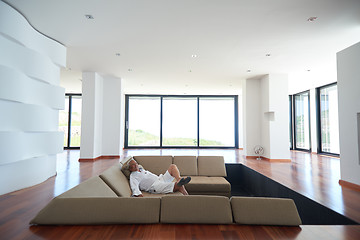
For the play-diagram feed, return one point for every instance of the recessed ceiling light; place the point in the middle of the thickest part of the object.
(89, 16)
(312, 19)
(268, 55)
(194, 56)
(117, 54)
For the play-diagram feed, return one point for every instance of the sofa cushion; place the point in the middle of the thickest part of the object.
(155, 164)
(117, 181)
(196, 209)
(208, 184)
(213, 166)
(186, 164)
(156, 195)
(265, 211)
(93, 187)
(123, 210)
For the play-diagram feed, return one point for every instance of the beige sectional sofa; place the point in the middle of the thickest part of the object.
(106, 199)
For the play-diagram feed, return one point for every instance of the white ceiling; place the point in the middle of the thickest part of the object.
(157, 38)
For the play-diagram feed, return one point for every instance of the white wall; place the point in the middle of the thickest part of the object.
(266, 116)
(101, 112)
(30, 97)
(349, 106)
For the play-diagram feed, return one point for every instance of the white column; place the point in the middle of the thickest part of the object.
(266, 116)
(91, 116)
(112, 103)
(251, 115)
(101, 116)
(30, 98)
(278, 117)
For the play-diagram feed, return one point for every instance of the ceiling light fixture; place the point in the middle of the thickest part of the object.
(268, 55)
(312, 19)
(194, 56)
(129, 70)
(248, 70)
(117, 54)
(89, 16)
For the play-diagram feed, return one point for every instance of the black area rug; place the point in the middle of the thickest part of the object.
(247, 182)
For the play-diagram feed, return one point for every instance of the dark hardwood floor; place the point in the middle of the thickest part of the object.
(309, 174)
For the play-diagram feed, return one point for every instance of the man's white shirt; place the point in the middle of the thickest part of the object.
(142, 180)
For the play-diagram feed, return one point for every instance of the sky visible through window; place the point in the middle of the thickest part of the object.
(216, 121)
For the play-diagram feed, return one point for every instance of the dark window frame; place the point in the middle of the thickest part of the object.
(294, 125)
(291, 122)
(318, 121)
(70, 95)
(236, 127)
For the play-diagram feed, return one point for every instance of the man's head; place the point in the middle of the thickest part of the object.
(133, 166)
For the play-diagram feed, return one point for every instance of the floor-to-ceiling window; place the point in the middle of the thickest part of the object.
(181, 121)
(143, 121)
(70, 120)
(291, 144)
(328, 120)
(216, 117)
(302, 121)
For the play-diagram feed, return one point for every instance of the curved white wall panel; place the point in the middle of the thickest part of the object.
(30, 97)
(31, 63)
(16, 86)
(15, 26)
(27, 118)
(17, 146)
(26, 173)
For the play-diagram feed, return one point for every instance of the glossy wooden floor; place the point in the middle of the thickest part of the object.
(314, 176)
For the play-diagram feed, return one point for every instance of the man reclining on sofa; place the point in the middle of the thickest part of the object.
(141, 179)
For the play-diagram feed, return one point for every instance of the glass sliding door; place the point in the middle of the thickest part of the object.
(64, 121)
(302, 121)
(179, 123)
(70, 120)
(329, 120)
(143, 123)
(75, 133)
(216, 122)
(290, 124)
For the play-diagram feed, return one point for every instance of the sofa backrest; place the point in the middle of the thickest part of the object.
(155, 164)
(117, 181)
(212, 166)
(187, 165)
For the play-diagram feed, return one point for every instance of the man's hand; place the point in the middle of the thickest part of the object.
(138, 195)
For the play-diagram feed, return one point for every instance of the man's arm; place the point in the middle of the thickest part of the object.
(134, 185)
